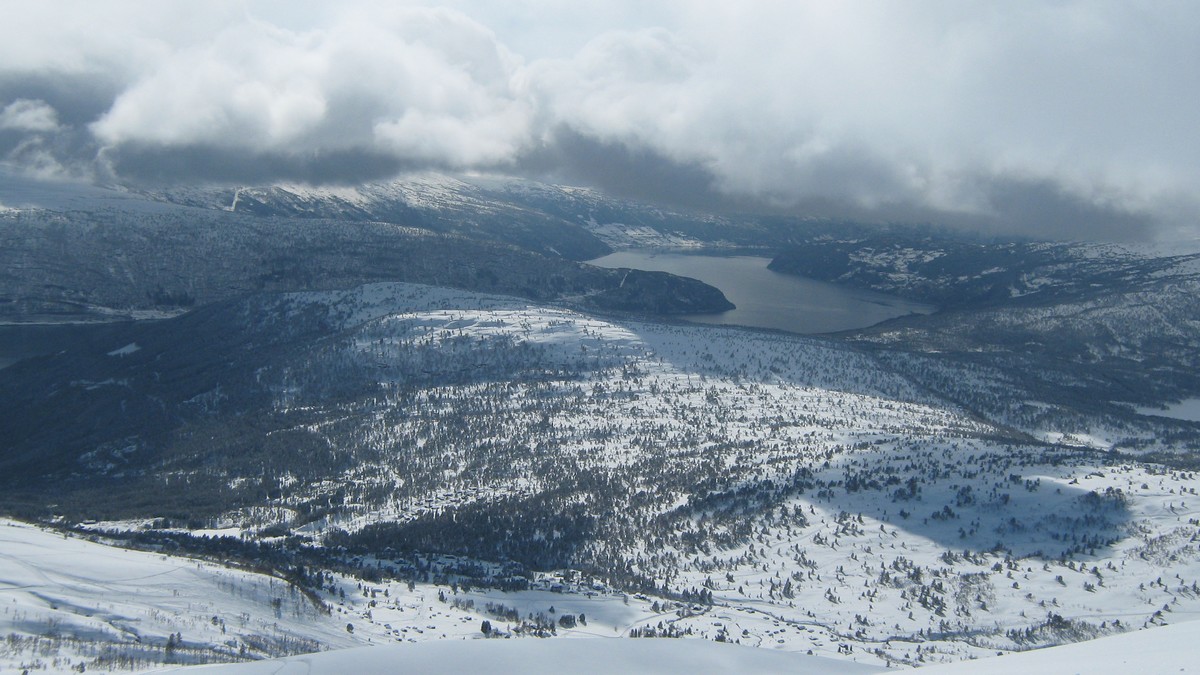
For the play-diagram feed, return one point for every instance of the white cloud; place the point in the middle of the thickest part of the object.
(634, 87)
(871, 104)
(880, 103)
(427, 84)
(36, 158)
(252, 85)
(26, 115)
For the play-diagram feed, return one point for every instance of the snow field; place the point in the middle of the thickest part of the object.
(67, 600)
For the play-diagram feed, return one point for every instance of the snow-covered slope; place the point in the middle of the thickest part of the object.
(547, 657)
(1165, 649)
(68, 601)
(773, 490)
(71, 605)
(426, 200)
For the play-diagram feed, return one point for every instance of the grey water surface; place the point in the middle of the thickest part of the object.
(767, 299)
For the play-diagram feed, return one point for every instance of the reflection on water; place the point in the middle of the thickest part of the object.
(767, 299)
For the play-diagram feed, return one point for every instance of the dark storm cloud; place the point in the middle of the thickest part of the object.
(1025, 206)
(77, 99)
(633, 172)
(1070, 117)
(155, 164)
(64, 147)
(1043, 208)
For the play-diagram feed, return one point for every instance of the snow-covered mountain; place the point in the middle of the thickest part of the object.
(577, 223)
(75, 266)
(754, 487)
(505, 441)
(431, 201)
(1116, 324)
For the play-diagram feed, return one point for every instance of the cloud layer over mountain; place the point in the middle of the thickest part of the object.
(1071, 118)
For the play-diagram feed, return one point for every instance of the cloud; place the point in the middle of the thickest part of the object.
(32, 137)
(158, 164)
(633, 171)
(424, 84)
(1042, 207)
(26, 115)
(884, 110)
(1070, 116)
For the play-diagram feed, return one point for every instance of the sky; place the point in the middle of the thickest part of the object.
(1051, 117)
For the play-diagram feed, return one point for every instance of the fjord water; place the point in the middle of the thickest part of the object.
(767, 299)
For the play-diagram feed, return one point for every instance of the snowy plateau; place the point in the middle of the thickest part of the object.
(320, 464)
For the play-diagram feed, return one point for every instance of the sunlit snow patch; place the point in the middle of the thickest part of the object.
(1188, 410)
(591, 656)
(126, 350)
